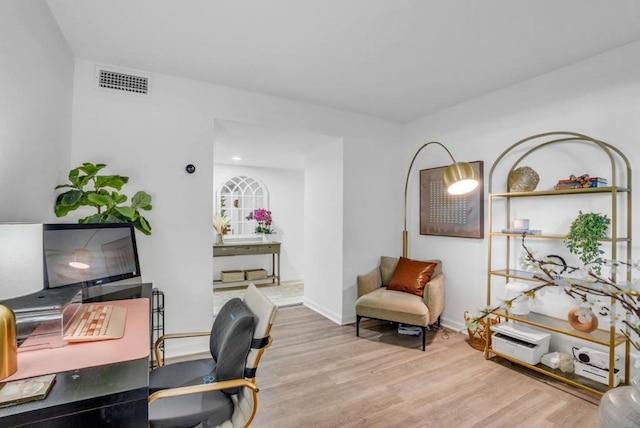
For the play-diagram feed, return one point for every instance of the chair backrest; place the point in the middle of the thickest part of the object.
(246, 402)
(265, 312)
(231, 338)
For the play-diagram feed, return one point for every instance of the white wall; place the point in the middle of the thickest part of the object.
(36, 78)
(286, 202)
(152, 139)
(323, 230)
(598, 97)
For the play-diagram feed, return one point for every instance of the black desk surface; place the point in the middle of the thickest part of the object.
(111, 395)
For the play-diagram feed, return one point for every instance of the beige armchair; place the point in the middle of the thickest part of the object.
(375, 301)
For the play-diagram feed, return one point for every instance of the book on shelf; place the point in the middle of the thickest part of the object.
(522, 231)
(573, 184)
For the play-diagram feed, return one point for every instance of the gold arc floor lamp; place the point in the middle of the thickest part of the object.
(459, 178)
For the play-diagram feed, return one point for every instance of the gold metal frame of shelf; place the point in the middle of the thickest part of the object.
(607, 189)
(536, 142)
(551, 373)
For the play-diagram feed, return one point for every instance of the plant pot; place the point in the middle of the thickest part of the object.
(478, 337)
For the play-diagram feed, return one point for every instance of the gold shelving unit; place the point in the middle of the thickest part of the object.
(506, 270)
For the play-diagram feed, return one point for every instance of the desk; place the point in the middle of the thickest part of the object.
(251, 249)
(110, 390)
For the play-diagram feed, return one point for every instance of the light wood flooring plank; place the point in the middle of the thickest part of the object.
(319, 374)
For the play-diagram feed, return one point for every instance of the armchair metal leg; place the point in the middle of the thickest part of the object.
(424, 338)
(358, 325)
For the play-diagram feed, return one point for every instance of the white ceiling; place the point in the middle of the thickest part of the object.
(392, 59)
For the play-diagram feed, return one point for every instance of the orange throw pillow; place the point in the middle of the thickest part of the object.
(411, 276)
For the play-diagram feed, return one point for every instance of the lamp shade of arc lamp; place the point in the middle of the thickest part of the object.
(458, 178)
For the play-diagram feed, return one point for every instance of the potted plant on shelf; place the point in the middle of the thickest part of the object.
(104, 196)
(584, 237)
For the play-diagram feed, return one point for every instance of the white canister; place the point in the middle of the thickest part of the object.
(521, 223)
(517, 290)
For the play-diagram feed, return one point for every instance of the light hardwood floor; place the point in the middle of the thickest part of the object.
(319, 374)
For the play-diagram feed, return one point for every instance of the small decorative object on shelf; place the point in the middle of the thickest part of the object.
(580, 182)
(264, 219)
(523, 179)
(582, 319)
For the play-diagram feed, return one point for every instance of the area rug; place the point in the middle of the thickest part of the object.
(285, 294)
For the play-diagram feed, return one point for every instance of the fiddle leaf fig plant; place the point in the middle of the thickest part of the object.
(583, 238)
(103, 195)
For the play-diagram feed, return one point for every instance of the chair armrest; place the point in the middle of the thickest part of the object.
(161, 339)
(369, 282)
(434, 297)
(197, 389)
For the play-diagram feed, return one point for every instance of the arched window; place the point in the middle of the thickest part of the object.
(237, 197)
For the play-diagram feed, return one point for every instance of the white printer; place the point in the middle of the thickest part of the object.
(520, 341)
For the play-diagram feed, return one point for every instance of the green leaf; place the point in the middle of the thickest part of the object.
(113, 181)
(127, 212)
(102, 218)
(118, 198)
(91, 169)
(73, 177)
(70, 198)
(142, 225)
(62, 186)
(100, 200)
(141, 200)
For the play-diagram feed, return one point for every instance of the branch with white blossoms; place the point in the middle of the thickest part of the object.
(586, 286)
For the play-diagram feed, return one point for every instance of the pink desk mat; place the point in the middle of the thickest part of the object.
(72, 356)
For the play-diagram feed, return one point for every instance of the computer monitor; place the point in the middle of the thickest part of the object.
(89, 254)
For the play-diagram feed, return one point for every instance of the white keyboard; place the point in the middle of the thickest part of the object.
(97, 322)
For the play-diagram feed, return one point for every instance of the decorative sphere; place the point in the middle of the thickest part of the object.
(523, 179)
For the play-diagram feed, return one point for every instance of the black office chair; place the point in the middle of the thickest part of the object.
(221, 390)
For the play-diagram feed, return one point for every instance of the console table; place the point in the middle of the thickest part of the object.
(251, 249)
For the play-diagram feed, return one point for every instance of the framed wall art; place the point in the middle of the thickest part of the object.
(450, 215)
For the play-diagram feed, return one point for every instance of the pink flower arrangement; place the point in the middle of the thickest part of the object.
(264, 219)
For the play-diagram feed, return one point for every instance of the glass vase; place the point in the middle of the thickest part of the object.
(620, 407)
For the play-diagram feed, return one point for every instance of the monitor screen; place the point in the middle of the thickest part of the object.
(89, 254)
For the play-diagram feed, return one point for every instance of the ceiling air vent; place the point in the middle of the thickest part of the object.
(108, 79)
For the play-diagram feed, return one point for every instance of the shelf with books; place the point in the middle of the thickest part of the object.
(613, 198)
